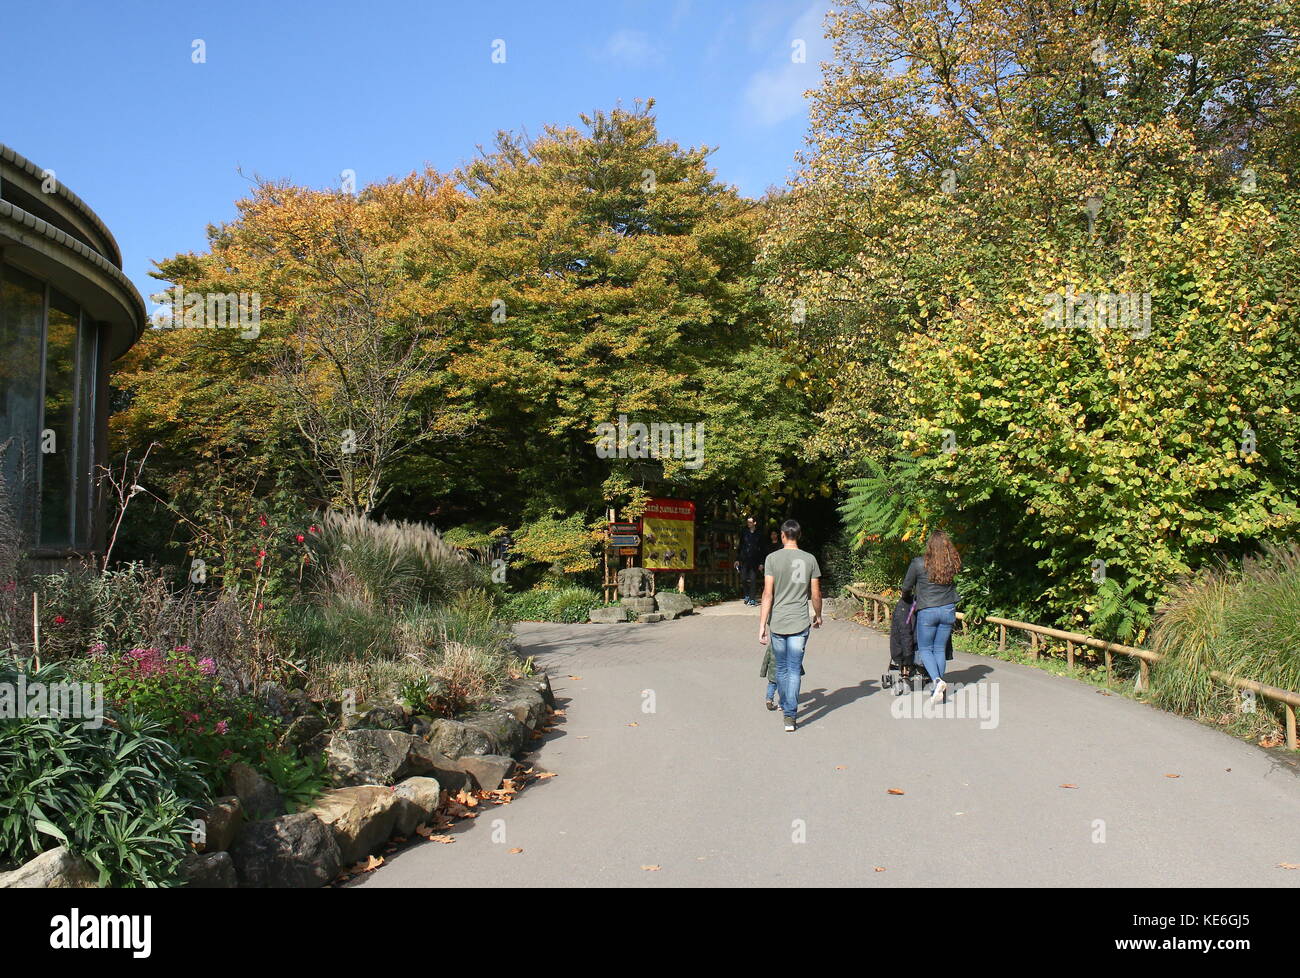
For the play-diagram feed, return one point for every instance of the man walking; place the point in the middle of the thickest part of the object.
(751, 556)
(791, 577)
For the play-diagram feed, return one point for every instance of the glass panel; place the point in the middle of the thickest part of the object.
(87, 379)
(59, 433)
(22, 301)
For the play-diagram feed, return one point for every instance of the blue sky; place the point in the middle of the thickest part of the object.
(108, 96)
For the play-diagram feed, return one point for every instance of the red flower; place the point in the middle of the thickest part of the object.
(300, 538)
(59, 619)
(312, 528)
(262, 520)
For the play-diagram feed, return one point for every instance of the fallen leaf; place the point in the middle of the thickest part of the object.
(368, 865)
(558, 713)
(632, 724)
(651, 869)
(446, 840)
(1289, 865)
(839, 767)
(1173, 775)
(896, 791)
(1069, 786)
(575, 677)
(547, 774)
(515, 850)
(880, 869)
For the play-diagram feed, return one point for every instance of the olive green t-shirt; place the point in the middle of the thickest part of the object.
(792, 571)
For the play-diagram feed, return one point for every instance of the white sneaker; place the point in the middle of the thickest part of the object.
(937, 695)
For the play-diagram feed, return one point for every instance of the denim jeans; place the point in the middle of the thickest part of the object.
(788, 650)
(933, 628)
(771, 689)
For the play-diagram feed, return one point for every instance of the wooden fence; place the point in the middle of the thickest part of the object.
(880, 608)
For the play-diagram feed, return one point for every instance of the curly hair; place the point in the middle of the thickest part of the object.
(942, 562)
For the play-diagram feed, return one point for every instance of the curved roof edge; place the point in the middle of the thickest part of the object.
(23, 163)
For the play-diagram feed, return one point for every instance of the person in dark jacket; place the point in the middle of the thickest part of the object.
(902, 640)
(751, 556)
(929, 583)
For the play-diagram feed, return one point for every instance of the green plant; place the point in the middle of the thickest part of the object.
(117, 794)
(300, 779)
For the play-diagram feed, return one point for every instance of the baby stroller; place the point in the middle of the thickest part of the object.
(911, 675)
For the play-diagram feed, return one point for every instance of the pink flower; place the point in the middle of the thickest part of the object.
(222, 727)
(182, 648)
(191, 717)
(226, 753)
(98, 648)
(207, 666)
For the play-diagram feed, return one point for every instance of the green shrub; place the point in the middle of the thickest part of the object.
(567, 604)
(118, 794)
(183, 695)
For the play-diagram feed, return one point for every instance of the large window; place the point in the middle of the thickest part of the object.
(47, 411)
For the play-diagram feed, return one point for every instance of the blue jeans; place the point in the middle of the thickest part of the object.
(771, 688)
(788, 650)
(933, 629)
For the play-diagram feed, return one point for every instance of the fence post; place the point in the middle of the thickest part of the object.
(1108, 667)
(1002, 638)
(1069, 653)
(1290, 726)
(1033, 644)
(1144, 675)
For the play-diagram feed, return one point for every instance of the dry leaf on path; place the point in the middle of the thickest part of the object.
(1069, 786)
(575, 677)
(515, 850)
(651, 869)
(896, 791)
(1289, 865)
(880, 869)
(1173, 775)
(368, 865)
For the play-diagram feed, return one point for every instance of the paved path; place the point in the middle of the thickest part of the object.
(709, 788)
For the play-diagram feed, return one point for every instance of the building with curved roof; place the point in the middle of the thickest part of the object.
(66, 312)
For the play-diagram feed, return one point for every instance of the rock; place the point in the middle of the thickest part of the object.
(386, 718)
(209, 871)
(422, 726)
(221, 823)
(305, 729)
(651, 617)
(292, 851)
(452, 738)
(361, 818)
(542, 683)
(505, 732)
(489, 770)
(415, 801)
(608, 615)
(54, 869)
(278, 700)
(258, 796)
(842, 608)
(642, 606)
(361, 757)
(673, 605)
(528, 709)
(450, 772)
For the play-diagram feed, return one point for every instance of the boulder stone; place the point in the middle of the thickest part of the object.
(609, 615)
(528, 709)
(361, 757)
(450, 772)
(361, 818)
(257, 795)
(842, 608)
(54, 869)
(505, 732)
(452, 738)
(221, 823)
(415, 801)
(305, 729)
(642, 606)
(672, 604)
(386, 718)
(489, 770)
(209, 871)
(651, 617)
(293, 851)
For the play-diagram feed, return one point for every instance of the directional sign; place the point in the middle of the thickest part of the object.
(625, 540)
(624, 528)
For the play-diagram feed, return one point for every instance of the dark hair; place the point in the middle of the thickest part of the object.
(791, 529)
(942, 562)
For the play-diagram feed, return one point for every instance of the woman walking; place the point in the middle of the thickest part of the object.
(930, 582)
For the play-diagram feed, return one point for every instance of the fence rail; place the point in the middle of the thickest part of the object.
(880, 609)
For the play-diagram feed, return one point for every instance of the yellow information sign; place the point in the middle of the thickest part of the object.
(668, 535)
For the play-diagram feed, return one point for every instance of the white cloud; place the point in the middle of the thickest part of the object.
(631, 48)
(775, 94)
